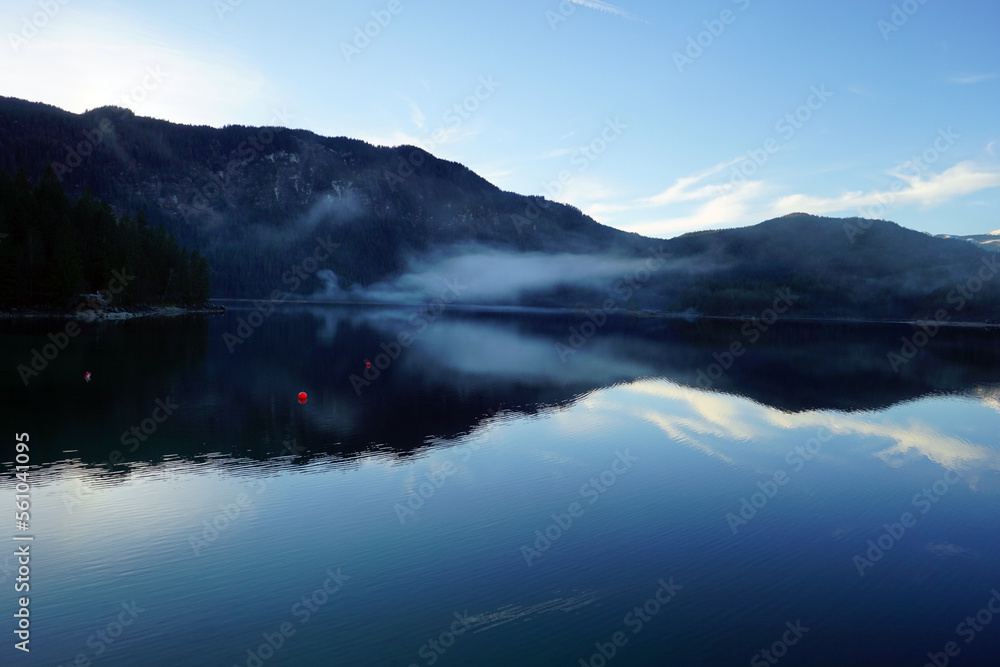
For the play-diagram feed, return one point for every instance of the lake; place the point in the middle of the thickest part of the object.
(505, 488)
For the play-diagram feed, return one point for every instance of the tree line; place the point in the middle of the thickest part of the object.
(53, 249)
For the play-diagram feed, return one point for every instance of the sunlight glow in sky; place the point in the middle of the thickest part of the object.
(659, 118)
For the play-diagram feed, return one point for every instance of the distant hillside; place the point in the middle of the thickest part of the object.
(990, 241)
(258, 202)
(840, 267)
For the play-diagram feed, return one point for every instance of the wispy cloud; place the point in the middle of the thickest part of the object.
(609, 8)
(935, 189)
(973, 78)
(416, 115)
(727, 204)
(719, 201)
(733, 207)
(684, 189)
(558, 152)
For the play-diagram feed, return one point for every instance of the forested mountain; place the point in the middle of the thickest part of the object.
(259, 202)
(842, 268)
(254, 199)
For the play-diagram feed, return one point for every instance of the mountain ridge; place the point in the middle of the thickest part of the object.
(255, 202)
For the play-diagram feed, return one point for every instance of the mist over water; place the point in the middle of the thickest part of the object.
(477, 274)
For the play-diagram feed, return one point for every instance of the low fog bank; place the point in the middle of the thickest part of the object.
(475, 274)
(326, 213)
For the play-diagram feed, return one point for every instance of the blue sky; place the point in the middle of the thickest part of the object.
(653, 117)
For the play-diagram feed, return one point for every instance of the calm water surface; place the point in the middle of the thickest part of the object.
(486, 500)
